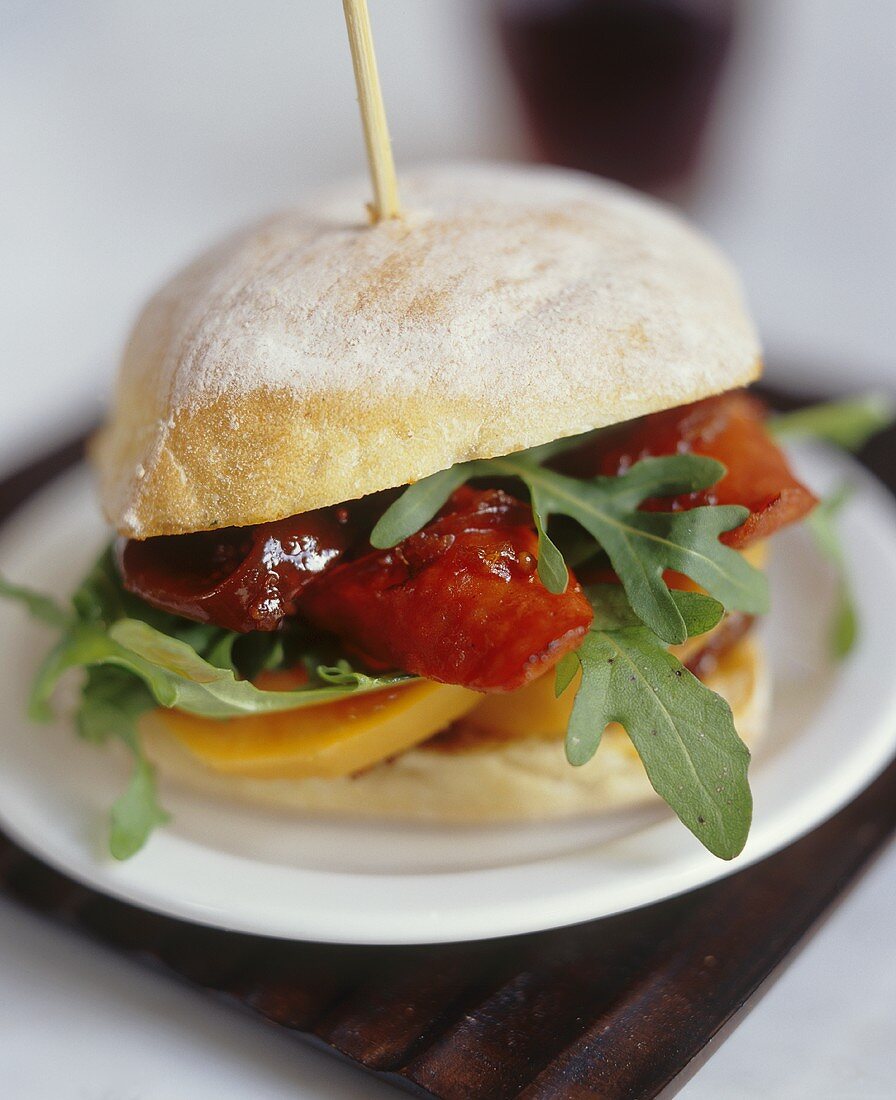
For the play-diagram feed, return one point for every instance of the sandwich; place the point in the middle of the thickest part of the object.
(460, 517)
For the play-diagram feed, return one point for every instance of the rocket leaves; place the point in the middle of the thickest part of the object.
(848, 423)
(136, 812)
(43, 608)
(640, 545)
(418, 504)
(844, 626)
(137, 658)
(683, 731)
(177, 676)
(112, 703)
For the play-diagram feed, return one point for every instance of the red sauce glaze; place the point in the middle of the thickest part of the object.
(241, 578)
(729, 428)
(459, 602)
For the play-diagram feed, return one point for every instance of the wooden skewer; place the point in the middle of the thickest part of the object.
(373, 115)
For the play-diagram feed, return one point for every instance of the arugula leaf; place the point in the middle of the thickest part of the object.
(133, 666)
(158, 658)
(221, 654)
(249, 654)
(137, 656)
(136, 813)
(343, 675)
(551, 565)
(564, 673)
(111, 704)
(640, 545)
(177, 676)
(683, 732)
(823, 527)
(417, 505)
(849, 423)
(101, 598)
(420, 502)
(613, 611)
(39, 606)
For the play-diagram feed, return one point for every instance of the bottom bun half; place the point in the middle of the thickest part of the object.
(516, 780)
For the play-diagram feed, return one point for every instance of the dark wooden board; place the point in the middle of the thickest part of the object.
(624, 1007)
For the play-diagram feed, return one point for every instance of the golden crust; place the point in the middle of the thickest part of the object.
(312, 360)
(502, 781)
(244, 460)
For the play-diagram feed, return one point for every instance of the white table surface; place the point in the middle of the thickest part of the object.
(134, 133)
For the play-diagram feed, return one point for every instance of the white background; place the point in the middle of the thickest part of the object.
(133, 133)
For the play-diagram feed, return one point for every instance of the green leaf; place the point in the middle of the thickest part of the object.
(612, 610)
(138, 657)
(565, 672)
(683, 732)
(551, 566)
(849, 423)
(221, 653)
(51, 668)
(343, 675)
(136, 813)
(545, 451)
(101, 598)
(249, 654)
(163, 659)
(133, 667)
(111, 702)
(823, 526)
(642, 545)
(178, 677)
(668, 476)
(417, 505)
(38, 605)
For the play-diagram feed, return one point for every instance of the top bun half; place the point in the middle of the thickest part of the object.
(313, 359)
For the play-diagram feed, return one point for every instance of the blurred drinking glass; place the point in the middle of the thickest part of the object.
(622, 88)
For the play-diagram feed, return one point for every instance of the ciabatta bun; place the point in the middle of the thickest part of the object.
(512, 781)
(314, 359)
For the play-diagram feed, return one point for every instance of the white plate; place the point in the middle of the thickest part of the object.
(834, 728)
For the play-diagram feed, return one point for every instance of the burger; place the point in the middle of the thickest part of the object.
(460, 517)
